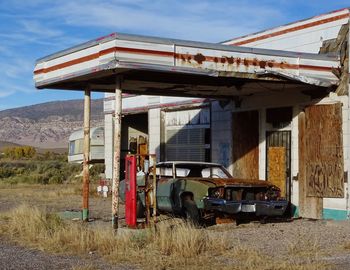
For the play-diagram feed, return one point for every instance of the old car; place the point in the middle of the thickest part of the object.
(197, 190)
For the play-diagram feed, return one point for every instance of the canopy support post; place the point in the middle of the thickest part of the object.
(117, 146)
(86, 156)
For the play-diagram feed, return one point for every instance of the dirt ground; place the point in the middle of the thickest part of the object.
(325, 241)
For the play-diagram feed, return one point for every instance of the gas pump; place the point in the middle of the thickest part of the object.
(133, 187)
(130, 191)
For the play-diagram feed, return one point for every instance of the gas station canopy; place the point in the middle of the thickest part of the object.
(168, 67)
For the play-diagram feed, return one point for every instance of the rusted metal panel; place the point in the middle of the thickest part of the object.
(309, 207)
(103, 58)
(324, 153)
(340, 46)
(277, 168)
(251, 63)
(245, 144)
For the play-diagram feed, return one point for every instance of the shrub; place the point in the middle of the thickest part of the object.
(20, 152)
(38, 172)
(6, 172)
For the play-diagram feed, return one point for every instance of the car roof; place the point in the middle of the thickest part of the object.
(189, 163)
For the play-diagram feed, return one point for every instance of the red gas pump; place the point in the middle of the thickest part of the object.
(130, 191)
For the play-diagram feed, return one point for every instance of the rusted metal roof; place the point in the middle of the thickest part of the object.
(161, 66)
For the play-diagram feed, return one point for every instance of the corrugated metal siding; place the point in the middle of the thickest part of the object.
(186, 134)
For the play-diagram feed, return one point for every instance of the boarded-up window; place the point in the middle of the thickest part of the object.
(324, 151)
(245, 144)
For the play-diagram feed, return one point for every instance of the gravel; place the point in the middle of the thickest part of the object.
(15, 257)
(324, 240)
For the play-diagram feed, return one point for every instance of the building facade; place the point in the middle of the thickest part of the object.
(295, 138)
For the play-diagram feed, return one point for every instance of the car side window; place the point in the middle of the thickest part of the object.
(164, 171)
(182, 172)
(213, 172)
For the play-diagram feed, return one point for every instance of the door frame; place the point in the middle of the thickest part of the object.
(288, 159)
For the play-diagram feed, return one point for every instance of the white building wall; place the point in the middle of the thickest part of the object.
(221, 134)
(154, 132)
(109, 146)
(302, 36)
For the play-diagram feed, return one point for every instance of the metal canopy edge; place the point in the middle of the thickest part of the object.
(97, 61)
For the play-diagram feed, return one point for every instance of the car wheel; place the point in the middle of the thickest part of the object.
(191, 212)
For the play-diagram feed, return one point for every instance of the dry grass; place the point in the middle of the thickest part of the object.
(172, 244)
(306, 246)
(346, 246)
(84, 267)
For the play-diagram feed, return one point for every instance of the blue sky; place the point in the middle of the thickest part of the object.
(35, 28)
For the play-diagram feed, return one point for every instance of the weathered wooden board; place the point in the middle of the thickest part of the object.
(245, 131)
(277, 168)
(309, 207)
(324, 151)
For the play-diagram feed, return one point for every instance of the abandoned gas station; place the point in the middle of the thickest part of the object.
(273, 105)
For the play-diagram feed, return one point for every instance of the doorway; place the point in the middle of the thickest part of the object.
(278, 148)
(278, 160)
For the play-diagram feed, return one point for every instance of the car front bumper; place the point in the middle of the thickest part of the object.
(258, 208)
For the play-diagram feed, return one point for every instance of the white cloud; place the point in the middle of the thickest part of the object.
(6, 93)
(199, 20)
(33, 27)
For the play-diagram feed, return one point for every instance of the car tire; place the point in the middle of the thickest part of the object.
(191, 212)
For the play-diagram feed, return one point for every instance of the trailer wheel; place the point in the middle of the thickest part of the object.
(191, 212)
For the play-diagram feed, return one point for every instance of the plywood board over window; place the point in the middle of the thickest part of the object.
(324, 159)
(277, 168)
(245, 145)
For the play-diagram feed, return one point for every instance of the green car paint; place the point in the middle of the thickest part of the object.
(172, 190)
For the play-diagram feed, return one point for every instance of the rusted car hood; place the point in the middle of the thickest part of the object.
(233, 182)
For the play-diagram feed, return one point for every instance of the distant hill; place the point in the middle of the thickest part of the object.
(7, 144)
(47, 125)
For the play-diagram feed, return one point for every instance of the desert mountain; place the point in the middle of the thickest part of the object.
(47, 125)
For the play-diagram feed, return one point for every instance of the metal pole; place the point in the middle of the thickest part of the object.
(116, 163)
(154, 190)
(86, 175)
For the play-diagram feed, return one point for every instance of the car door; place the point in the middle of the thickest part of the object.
(165, 185)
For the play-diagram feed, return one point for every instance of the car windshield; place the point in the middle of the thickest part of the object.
(193, 170)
